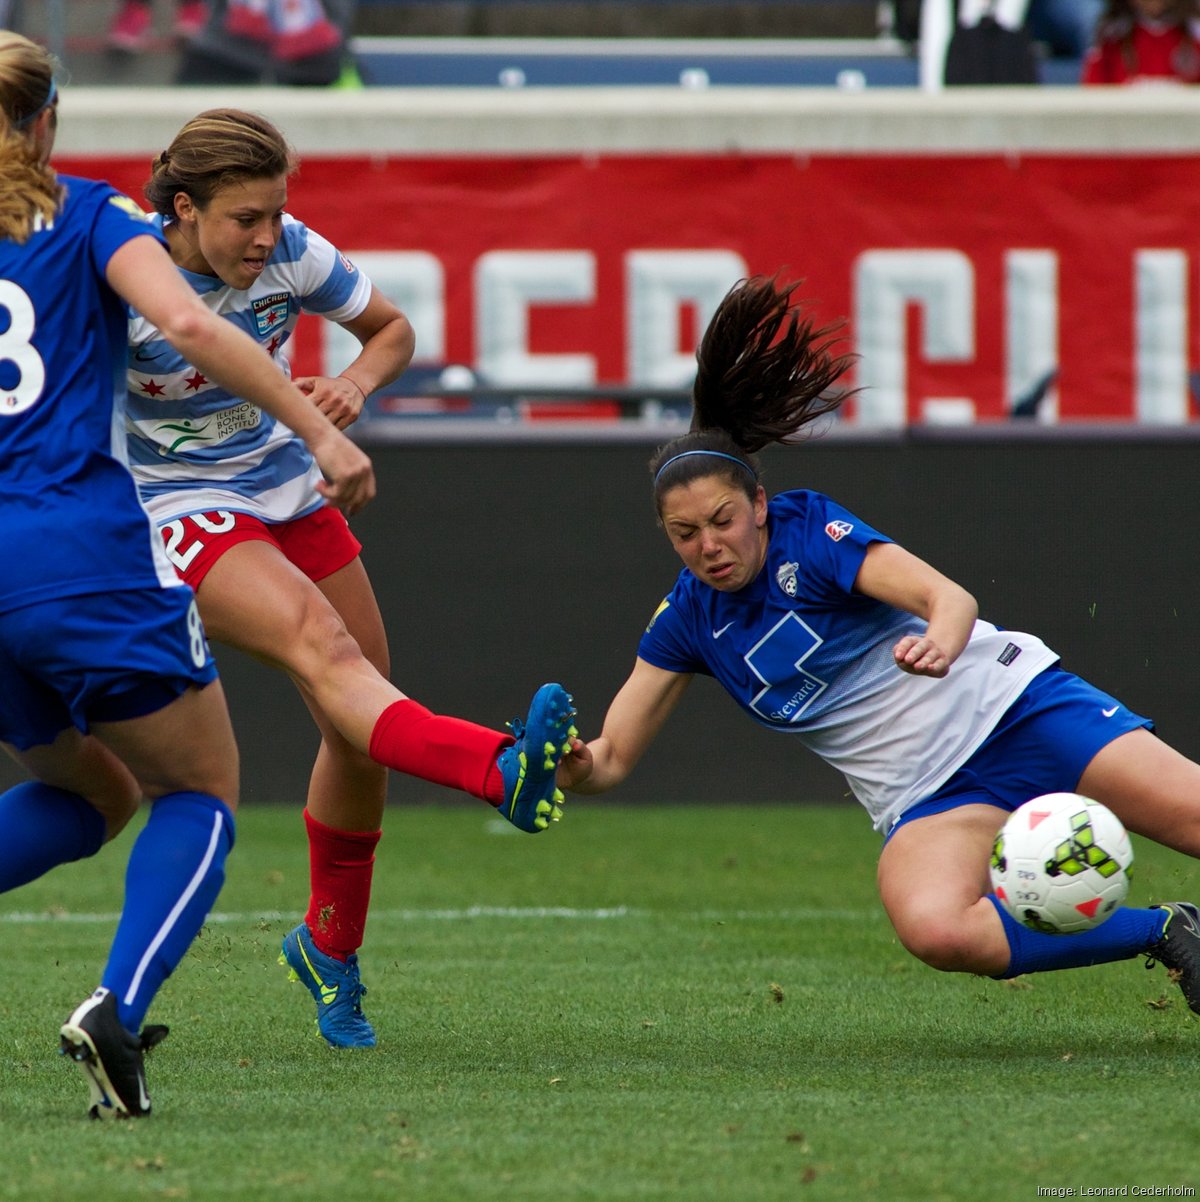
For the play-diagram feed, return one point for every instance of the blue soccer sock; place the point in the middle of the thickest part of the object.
(43, 827)
(176, 869)
(1126, 933)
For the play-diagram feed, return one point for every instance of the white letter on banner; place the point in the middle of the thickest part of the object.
(506, 284)
(415, 282)
(885, 283)
(1161, 332)
(1031, 324)
(657, 284)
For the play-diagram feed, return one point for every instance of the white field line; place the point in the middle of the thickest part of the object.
(470, 913)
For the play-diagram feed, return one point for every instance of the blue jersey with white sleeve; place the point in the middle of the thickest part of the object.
(70, 519)
(193, 446)
(801, 652)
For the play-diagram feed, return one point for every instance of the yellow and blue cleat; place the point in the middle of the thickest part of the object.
(531, 799)
(335, 986)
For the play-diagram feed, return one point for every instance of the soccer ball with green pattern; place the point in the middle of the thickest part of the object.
(1061, 863)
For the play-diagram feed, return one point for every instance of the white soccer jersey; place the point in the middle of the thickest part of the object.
(194, 447)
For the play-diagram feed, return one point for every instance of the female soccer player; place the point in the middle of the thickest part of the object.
(276, 571)
(820, 626)
(107, 689)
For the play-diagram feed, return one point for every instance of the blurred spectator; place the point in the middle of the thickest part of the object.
(1064, 27)
(990, 44)
(1146, 42)
(133, 24)
(270, 41)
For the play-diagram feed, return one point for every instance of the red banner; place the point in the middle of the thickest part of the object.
(968, 283)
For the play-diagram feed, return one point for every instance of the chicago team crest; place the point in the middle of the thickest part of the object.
(269, 312)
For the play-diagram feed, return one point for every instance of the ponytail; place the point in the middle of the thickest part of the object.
(763, 373)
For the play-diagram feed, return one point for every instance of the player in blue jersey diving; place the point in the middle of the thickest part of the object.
(276, 570)
(820, 626)
(108, 694)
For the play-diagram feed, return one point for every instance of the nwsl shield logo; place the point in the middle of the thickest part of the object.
(838, 530)
(785, 577)
(270, 312)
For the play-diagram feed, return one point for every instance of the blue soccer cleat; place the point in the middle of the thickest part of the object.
(531, 800)
(335, 986)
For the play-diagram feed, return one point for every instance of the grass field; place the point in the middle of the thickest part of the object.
(703, 1005)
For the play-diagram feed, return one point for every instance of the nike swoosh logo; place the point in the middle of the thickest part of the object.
(1109, 713)
(140, 358)
(328, 995)
(717, 633)
(143, 1097)
(512, 809)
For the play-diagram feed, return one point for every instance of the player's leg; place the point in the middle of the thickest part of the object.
(81, 797)
(933, 879)
(185, 756)
(1155, 791)
(82, 794)
(146, 685)
(303, 634)
(1151, 787)
(343, 816)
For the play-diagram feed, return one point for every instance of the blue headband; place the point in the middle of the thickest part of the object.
(51, 97)
(715, 454)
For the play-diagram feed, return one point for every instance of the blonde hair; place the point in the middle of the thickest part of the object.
(215, 148)
(31, 188)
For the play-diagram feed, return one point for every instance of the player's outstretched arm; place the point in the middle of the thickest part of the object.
(142, 274)
(637, 713)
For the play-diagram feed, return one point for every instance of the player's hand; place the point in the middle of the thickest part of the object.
(576, 766)
(349, 477)
(338, 397)
(919, 655)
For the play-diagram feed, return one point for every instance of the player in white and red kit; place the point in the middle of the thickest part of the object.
(277, 572)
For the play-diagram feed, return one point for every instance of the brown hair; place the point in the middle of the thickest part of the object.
(26, 86)
(764, 371)
(215, 148)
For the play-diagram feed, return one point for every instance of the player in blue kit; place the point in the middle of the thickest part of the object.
(108, 694)
(821, 627)
(277, 572)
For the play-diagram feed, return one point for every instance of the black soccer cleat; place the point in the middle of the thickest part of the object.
(1178, 951)
(110, 1057)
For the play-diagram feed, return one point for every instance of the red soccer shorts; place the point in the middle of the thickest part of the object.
(319, 544)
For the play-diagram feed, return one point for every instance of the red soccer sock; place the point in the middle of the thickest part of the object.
(447, 751)
(341, 864)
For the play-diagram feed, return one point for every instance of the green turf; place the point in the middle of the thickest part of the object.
(694, 1004)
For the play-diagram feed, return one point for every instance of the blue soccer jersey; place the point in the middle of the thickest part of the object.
(195, 447)
(801, 652)
(70, 520)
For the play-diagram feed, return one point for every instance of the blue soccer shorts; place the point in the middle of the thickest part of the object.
(1042, 744)
(97, 658)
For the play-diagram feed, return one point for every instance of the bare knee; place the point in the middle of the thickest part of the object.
(82, 765)
(944, 942)
(322, 644)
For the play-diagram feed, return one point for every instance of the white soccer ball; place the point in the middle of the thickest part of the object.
(1061, 863)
